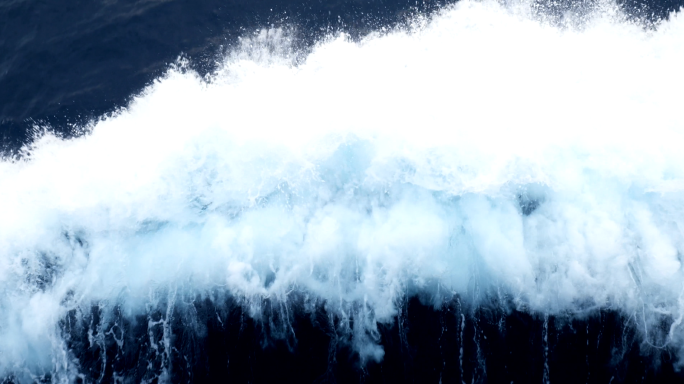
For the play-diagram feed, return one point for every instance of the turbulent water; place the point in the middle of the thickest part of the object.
(483, 179)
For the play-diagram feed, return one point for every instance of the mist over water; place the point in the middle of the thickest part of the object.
(489, 152)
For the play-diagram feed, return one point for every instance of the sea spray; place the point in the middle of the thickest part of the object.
(478, 151)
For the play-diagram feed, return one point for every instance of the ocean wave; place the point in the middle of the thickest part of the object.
(483, 152)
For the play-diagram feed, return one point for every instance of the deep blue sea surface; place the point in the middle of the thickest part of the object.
(343, 191)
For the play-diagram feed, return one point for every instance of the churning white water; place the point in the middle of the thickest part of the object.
(482, 150)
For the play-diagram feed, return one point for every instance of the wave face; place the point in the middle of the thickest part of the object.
(482, 172)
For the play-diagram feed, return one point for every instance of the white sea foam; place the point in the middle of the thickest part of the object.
(483, 149)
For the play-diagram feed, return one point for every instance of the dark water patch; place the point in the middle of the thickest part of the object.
(205, 340)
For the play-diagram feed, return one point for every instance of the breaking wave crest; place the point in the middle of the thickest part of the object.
(483, 153)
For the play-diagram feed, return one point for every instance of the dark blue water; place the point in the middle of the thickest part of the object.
(454, 343)
(64, 63)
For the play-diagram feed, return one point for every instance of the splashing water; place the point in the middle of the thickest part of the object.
(480, 149)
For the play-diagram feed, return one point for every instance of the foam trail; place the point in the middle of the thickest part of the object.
(481, 150)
